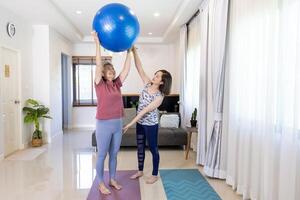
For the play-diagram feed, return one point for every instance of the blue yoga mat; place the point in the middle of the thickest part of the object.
(186, 184)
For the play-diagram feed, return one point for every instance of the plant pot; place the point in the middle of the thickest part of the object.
(193, 123)
(36, 142)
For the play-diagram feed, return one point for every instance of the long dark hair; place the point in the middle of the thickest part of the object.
(166, 78)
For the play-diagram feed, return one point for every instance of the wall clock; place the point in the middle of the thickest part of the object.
(11, 29)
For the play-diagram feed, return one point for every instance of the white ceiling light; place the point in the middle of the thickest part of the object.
(149, 33)
(156, 14)
(78, 12)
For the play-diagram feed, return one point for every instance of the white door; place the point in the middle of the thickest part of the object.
(10, 104)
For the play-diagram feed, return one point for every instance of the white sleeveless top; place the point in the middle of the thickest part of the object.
(150, 118)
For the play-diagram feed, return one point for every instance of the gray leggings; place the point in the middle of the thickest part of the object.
(109, 136)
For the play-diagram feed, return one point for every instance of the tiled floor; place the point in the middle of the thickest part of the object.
(66, 170)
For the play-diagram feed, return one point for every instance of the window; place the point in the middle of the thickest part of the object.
(83, 80)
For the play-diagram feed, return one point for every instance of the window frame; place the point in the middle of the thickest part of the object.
(88, 61)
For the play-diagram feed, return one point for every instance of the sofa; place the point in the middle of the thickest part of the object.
(167, 136)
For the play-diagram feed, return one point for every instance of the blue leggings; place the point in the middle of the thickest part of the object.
(150, 133)
(109, 136)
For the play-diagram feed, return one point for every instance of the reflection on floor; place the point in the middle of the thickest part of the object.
(67, 169)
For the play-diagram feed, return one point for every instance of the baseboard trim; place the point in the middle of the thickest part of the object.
(68, 126)
(25, 146)
(84, 127)
(28, 144)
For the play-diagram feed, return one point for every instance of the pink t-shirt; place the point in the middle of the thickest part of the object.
(110, 102)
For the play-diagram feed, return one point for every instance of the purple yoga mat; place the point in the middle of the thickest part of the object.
(130, 188)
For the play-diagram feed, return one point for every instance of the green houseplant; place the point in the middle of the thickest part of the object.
(194, 118)
(33, 113)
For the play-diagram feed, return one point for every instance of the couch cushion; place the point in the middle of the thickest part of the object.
(169, 120)
(166, 137)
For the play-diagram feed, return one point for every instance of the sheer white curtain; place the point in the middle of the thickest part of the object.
(193, 73)
(215, 162)
(264, 99)
(205, 103)
(191, 86)
(183, 78)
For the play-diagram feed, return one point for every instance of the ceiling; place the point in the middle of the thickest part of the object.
(62, 15)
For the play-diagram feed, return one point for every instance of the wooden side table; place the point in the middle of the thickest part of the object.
(189, 130)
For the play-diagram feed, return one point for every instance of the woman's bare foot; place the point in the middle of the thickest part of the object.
(152, 179)
(137, 175)
(115, 184)
(103, 189)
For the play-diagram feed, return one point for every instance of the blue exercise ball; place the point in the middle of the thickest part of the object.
(117, 27)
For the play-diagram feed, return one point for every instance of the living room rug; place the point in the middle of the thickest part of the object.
(186, 184)
(130, 190)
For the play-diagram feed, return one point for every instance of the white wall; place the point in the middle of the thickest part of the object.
(58, 45)
(40, 50)
(153, 57)
(22, 42)
(47, 49)
(84, 117)
(41, 86)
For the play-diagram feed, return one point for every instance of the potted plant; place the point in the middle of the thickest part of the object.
(194, 118)
(33, 113)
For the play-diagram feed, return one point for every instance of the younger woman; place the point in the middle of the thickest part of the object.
(147, 116)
